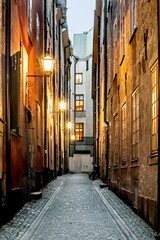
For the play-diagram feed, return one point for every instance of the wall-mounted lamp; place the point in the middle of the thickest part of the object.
(62, 105)
(72, 137)
(47, 68)
(48, 65)
(69, 125)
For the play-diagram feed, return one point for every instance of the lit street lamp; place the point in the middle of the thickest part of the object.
(69, 125)
(73, 137)
(62, 105)
(48, 64)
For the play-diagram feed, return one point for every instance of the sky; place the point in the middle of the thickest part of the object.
(80, 16)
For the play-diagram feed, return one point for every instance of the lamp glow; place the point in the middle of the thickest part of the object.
(69, 125)
(62, 105)
(72, 137)
(48, 64)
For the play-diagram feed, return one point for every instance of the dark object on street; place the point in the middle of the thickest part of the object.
(95, 173)
(103, 185)
(157, 237)
(36, 195)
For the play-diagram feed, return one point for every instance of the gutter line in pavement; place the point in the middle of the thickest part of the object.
(36, 224)
(115, 217)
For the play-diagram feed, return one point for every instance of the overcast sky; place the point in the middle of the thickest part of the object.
(80, 16)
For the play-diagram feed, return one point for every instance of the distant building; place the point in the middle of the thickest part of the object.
(81, 104)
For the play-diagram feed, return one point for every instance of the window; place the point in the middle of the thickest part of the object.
(30, 18)
(79, 131)
(133, 17)
(115, 49)
(124, 132)
(38, 124)
(135, 123)
(109, 66)
(122, 27)
(16, 90)
(38, 34)
(79, 78)
(154, 110)
(116, 140)
(87, 65)
(79, 102)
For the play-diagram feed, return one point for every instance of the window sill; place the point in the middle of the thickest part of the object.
(135, 30)
(14, 133)
(134, 163)
(134, 160)
(153, 159)
(123, 162)
(122, 60)
(116, 167)
(115, 77)
(79, 83)
(1, 121)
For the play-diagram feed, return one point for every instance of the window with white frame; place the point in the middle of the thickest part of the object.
(116, 140)
(124, 133)
(109, 65)
(115, 31)
(79, 131)
(132, 17)
(30, 18)
(154, 107)
(122, 27)
(135, 123)
(79, 79)
(38, 124)
(38, 34)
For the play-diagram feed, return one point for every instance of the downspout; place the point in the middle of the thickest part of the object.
(45, 100)
(98, 86)
(105, 85)
(60, 160)
(54, 107)
(94, 118)
(8, 129)
(158, 181)
(75, 64)
(66, 113)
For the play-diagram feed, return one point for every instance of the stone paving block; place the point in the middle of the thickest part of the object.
(76, 212)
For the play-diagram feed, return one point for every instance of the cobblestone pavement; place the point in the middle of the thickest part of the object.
(75, 208)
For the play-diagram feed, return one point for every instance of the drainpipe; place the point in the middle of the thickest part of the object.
(94, 119)
(54, 108)
(98, 86)
(158, 196)
(66, 113)
(105, 84)
(75, 64)
(8, 129)
(60, 157)
(45, 99)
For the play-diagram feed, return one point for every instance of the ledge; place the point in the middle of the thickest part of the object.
(135, 30)
(122, 60)
(134, 160)
(81, 114)
(115, 77)
(116, 166)
(153, 159)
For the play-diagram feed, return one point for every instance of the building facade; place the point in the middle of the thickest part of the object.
(81, 104)
(31, 121)
(125, 93)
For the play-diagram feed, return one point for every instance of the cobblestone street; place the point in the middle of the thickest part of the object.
(74, 208)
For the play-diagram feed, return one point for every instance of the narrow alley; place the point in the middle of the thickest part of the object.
(74, 207)
(79, 97)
